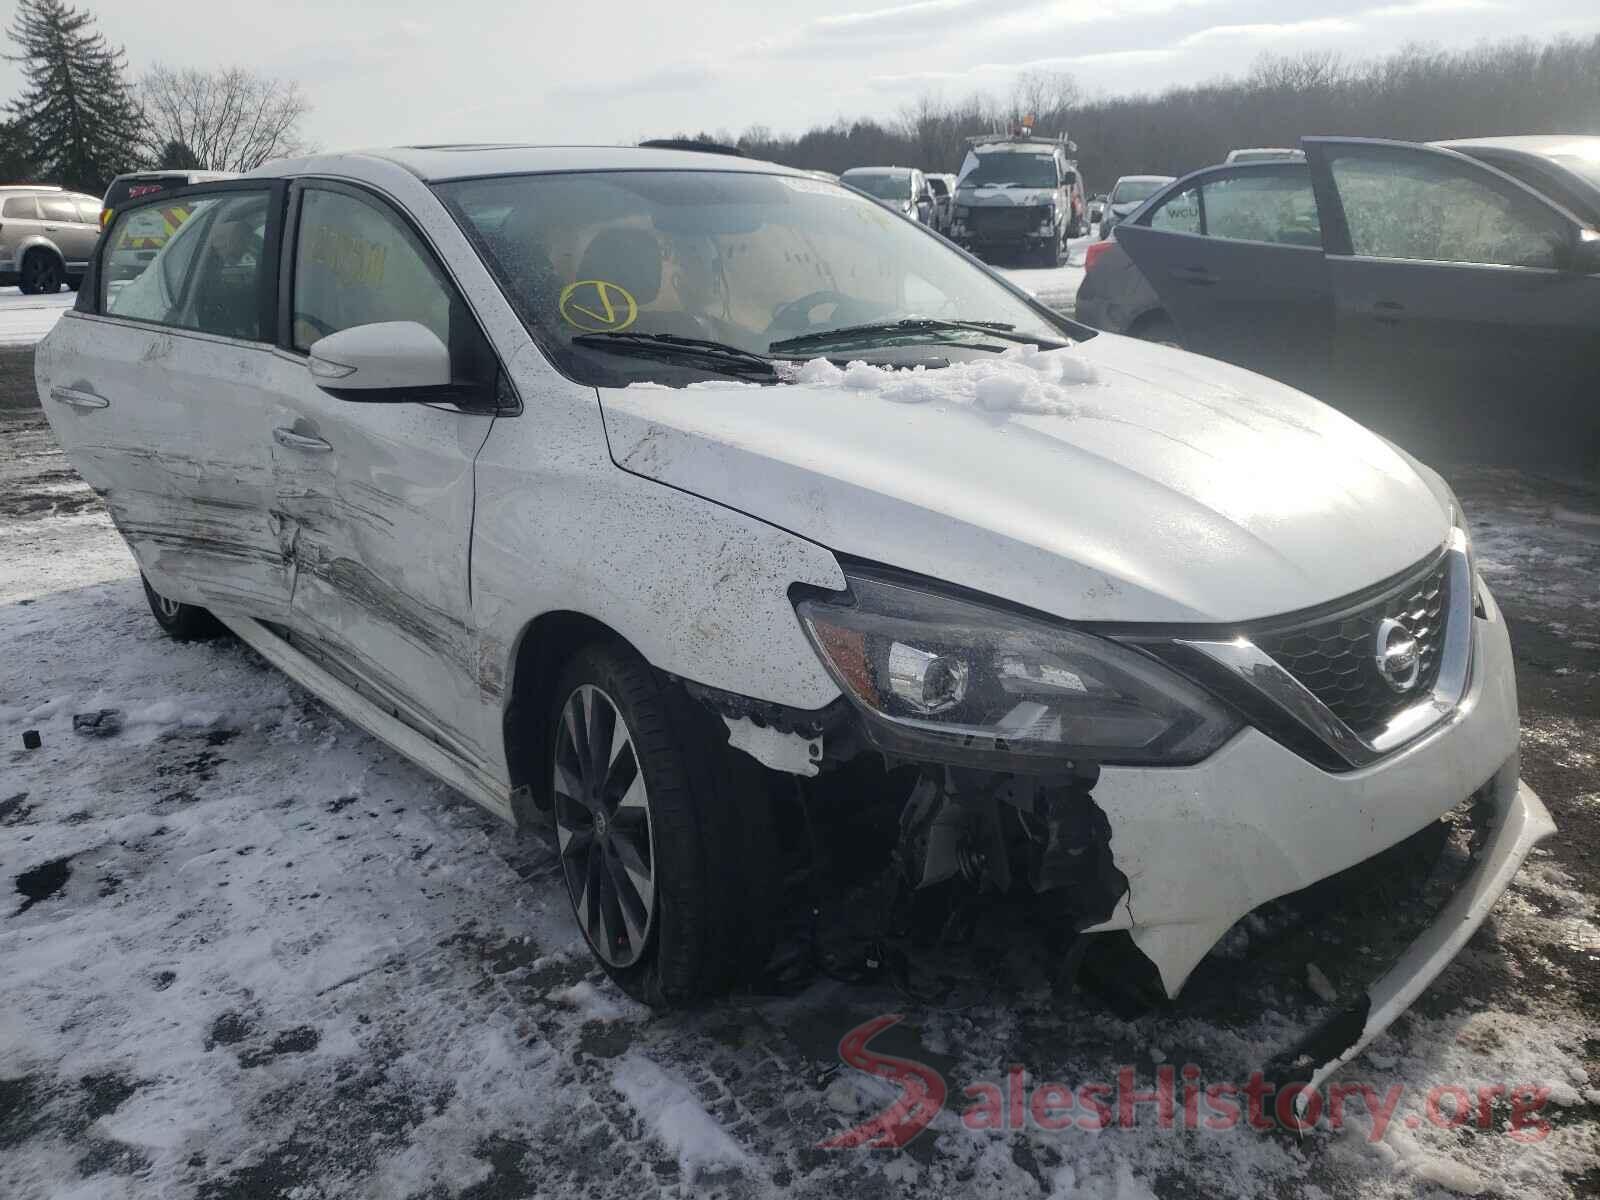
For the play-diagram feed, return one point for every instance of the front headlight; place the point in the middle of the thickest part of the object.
(963, 682)
(1458, 518)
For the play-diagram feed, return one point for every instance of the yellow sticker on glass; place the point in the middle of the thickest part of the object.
(598, 306)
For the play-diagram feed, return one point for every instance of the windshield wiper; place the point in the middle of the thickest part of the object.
(716, 355)
(852, 333)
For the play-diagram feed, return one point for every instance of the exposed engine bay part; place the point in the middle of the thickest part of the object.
(774, 748)
(994, 830)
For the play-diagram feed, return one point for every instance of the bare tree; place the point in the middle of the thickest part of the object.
(232, 120)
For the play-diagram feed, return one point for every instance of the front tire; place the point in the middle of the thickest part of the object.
(40, 275)
(182, 622)
(663, 831)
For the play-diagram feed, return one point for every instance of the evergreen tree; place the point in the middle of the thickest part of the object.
(16, 166)
(77, 116)
(176, 156)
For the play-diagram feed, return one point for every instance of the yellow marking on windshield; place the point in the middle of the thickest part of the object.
(608, 307)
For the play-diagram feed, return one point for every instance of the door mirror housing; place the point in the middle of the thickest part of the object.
(1584, 256)
(386, 362)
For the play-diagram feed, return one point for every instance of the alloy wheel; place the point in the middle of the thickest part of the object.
(602, 814)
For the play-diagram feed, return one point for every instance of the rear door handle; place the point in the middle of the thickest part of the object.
(77, 398)
(1199, 276)
(300, 441)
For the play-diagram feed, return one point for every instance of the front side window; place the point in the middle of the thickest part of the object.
(202, 265)
(1179, 213)
(356, 263)
(1429, 208)
(1263, 206)
(1003, 168)
(21, 208)
(746, 260)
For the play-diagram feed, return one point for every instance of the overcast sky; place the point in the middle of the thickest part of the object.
(384, 72)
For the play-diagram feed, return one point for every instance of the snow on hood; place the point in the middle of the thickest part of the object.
(1110, 481)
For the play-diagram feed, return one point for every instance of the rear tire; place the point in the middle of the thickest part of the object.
(182, 622)
(664, 831)
(40, 274)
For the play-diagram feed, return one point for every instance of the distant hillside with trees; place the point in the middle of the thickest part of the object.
(1417, 93)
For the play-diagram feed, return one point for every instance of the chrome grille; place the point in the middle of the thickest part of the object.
(1335, 659)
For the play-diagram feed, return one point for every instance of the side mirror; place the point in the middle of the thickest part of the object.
(390, 361)
(1584, 256)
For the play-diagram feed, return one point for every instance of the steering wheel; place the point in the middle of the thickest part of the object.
(795, 316)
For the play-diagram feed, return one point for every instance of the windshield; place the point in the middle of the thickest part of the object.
(881, 185)
(741, 259)
(1021, 170)
(1128, 191)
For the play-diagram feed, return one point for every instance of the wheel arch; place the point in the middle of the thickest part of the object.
(36, 244)
(542, 650)
(1150, 318)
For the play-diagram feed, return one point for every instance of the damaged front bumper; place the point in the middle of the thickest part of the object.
(1176, 856)
(1518, 821)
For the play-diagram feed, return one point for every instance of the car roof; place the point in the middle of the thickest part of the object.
(879, 171)
(1144, 179)
(197, 174)
(1582, 145)
(435, 164)
(30, 187)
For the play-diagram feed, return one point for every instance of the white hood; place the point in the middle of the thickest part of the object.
(1116, 481)
(984, 196)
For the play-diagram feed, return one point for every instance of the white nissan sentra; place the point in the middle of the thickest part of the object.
(655, 494)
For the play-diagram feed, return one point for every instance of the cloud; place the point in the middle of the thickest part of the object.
(681, 77)
(1434, 8)
(858, 34)
(1136, 57)
(1270, 32)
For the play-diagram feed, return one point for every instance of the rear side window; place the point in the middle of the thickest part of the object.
(59, 208)
(201, 265)
(1179, 213)
(358, 264)
(22, 208)
(88, 211)
(1263, 206)
(1430, 208)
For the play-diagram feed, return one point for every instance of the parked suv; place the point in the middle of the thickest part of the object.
(46, 237)
(593, 481)
(1019, 193)
(1446, 295)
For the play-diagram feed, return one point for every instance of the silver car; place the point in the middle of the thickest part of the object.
(47, 236)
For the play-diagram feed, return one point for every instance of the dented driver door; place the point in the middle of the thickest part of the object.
(376, 498)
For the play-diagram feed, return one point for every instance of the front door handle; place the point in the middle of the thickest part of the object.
(300, 441)
(78, 398)
(1195, 275)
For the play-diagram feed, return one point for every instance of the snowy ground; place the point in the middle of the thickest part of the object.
(1055, 287)
(26, 319)
(250, 952)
